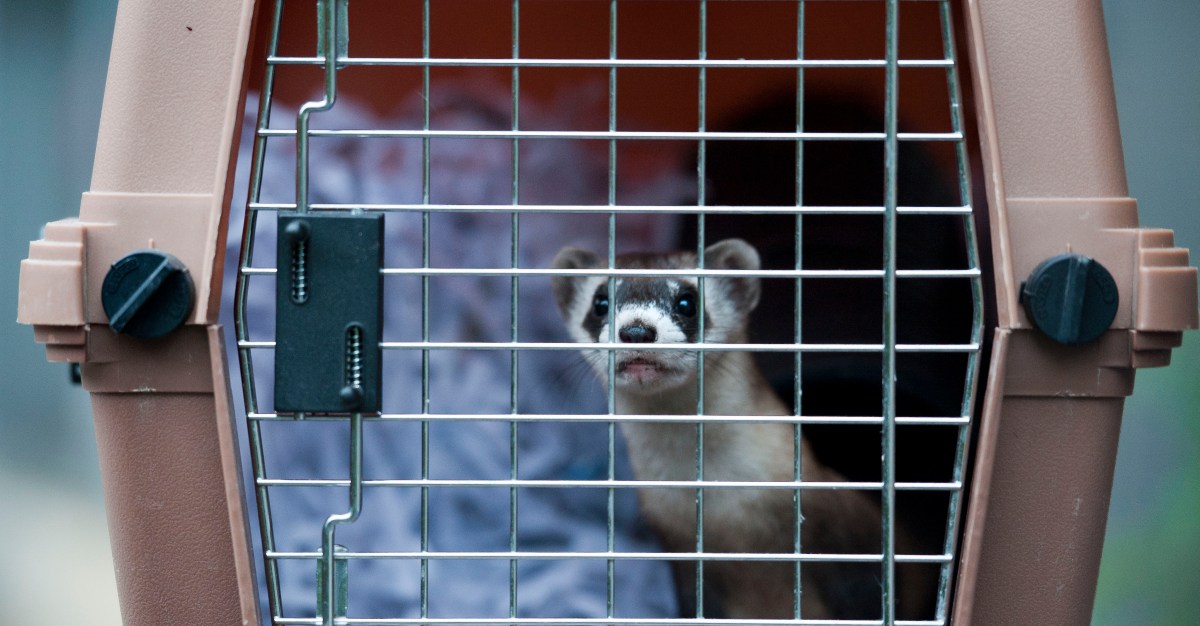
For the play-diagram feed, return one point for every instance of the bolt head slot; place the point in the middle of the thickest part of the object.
(1070, 298)
(147, 294)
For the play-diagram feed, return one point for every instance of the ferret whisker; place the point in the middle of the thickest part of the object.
(575, 374)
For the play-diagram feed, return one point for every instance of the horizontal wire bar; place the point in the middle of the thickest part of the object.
(606, 135)
(595, 621)
(942, 273)
(668, 347)
(493, 272)
(605, 209)
(611, 484)
(605, 418)
(620, 556)
(635, 273)
(607, 63)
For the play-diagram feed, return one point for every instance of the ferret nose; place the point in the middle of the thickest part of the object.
(637, 333)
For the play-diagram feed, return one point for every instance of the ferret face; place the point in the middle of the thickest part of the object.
(649, 311)
(645, 311)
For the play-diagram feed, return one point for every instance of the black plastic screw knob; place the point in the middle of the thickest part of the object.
(147, 294)
(352, 397)
(1071, 298)
(297, 231)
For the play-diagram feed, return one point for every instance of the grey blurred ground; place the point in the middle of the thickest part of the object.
(57, 569)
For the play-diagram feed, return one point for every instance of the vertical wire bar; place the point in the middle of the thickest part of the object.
(329, 20)
(241, 329)
(701, 200)
(797, 434)
(425, 177)
(610, 569)
(515, 231)
(891, 159)
(328, 548)
(328, 35)
(971, 380)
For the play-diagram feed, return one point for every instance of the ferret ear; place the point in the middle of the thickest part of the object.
(565, 287)
(736, 254)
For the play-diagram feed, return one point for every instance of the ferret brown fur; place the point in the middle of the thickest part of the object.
(736, 520)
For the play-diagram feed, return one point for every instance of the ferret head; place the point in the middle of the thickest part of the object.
(656, 310)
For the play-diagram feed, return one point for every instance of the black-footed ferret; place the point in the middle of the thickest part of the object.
(657, 310)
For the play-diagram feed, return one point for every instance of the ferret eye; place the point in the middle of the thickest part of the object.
(685, 304)
(600, 305)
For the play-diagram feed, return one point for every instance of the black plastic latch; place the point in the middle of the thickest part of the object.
(1071, 298)
(147, 294)
(328, 314)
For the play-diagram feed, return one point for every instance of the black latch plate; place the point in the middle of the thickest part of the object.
(342, 287)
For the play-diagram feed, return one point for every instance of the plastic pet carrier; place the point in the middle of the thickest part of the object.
(599, 312)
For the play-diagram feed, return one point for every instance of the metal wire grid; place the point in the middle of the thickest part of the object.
(333, 46)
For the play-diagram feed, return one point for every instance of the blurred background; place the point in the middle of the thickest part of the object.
(57, 568)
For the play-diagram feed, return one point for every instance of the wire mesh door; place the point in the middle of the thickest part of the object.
(494, 485)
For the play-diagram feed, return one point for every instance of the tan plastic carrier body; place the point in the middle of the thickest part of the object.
(1053, 172)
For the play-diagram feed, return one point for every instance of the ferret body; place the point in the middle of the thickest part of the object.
(656, 310)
